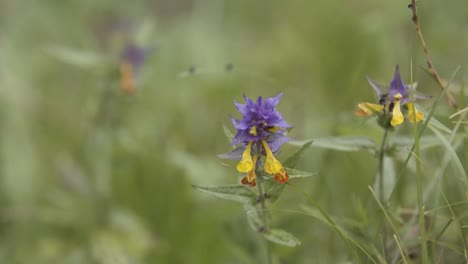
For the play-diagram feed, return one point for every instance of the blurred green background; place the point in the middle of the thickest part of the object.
(90, 174)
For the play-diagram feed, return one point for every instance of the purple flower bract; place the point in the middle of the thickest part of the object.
(260, 120)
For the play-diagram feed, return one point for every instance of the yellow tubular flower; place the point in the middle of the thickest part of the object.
(251, 174)
(281, 177)
(253, 131)
(419, 115)
(397, 117)
(272, 165)
(246, 164)
(367, 109)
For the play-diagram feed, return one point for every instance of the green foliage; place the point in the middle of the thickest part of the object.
(282, 237)
(251, 200)
(237, 193)
(344, 143)
(91, 174)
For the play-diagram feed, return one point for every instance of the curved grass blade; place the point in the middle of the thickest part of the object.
(342, 143)
(237, 193)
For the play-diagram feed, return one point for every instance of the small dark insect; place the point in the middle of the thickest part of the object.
(390, 107)
(192, 69)
(382, 99)
(229, 67)
(259, 199)
(266, 195)
(410, 5)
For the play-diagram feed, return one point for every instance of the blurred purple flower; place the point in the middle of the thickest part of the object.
(132, 59)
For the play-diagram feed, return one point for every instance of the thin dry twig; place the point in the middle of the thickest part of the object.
(429, 63)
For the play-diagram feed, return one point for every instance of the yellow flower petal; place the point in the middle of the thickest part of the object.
(272, 165)
(246, 163)
(397, 115)
(367, 109)
(251, 174)
(253, 131)
(419, 115)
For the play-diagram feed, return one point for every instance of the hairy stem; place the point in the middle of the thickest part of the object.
(265, 217)
(381, 184)
(381, 167)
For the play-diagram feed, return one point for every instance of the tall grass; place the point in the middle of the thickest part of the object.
(89, 174)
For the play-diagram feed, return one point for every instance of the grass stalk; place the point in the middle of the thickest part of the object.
(422, 225)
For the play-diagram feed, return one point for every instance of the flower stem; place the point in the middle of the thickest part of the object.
(265, 217)
(422, 224)
(381, 184)
(381, 167)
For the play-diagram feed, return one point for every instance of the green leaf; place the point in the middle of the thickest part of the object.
(237, 193)
(282, 237)
(389, 181)
(452, 152)
(315, 213)
(254, 218)
(145, 32)
(293, 173)
(437, 124)
(404, 143)
(292, 160)
(342, 143)
(79, 58)
(273, 189)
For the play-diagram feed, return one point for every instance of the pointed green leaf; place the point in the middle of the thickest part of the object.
(254, 218)
(79, 58)
(293, 173)
(282, 237)
(315, 213)
(291, 162)
(273, 189)
(452, 152)
(342, 143)
(237, 193)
